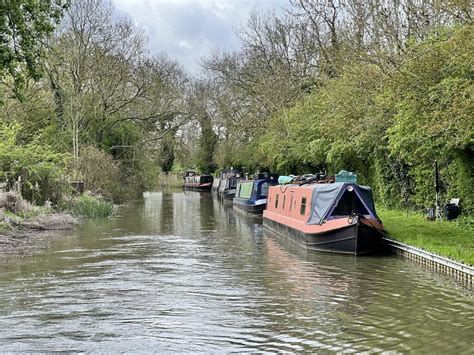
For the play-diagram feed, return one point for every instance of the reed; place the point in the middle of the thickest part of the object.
(92, 207)
(170, 180)
(450, 239)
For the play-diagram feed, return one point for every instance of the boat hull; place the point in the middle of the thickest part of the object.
(228, 194)
(356, 239)
(198, 187)
(249, 209)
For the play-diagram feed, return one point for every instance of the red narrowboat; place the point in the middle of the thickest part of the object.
(331, 217)
(197, 182)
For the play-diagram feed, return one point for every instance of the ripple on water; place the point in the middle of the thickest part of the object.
(180, 272)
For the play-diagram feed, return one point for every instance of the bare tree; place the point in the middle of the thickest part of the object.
(102, 75)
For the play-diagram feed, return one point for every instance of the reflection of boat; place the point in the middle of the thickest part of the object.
(197, 182)
(303, 274)
(251, 196)
(338, 217)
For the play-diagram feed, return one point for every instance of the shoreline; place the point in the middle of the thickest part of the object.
(20, 237)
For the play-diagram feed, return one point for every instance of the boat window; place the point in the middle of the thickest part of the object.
(284, 199)
(291, 201)
(303, 206)
(348, 204)
(276, 201)
(264, 189)
(206, 179)
(238, 192)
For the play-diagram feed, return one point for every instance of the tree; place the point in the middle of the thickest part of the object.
(24, 27)
(105, 82)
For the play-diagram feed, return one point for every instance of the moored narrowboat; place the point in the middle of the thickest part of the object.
(228, 187)
(197, 182)
(330, 217)
(251, 196)
(216, 184)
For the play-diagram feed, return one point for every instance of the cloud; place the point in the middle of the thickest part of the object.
(188, 30)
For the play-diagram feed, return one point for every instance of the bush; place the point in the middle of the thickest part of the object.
(38, 166)
(92, 207)
(14, 203)
(101, 174)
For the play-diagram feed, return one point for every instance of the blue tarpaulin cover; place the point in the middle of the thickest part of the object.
(326, 196)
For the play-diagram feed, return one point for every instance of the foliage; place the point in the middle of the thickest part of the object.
(207, 143)
(24, 25)
(389, 129)
(167, 154)
(92, 207)
(35, 168)
(100, 173)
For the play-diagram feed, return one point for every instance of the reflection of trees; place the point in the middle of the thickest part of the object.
(206, 212)
(166, 220)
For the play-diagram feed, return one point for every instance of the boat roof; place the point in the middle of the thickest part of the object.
(324, 197)
(324, 186)
(258, 181)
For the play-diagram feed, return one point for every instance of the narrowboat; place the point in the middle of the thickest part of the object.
(334, 217)
(251, 196)
(197, 182)
(228, 186)
(216, 184)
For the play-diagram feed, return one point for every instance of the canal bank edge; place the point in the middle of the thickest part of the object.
(461, 272)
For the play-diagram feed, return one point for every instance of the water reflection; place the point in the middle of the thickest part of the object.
(182, 272)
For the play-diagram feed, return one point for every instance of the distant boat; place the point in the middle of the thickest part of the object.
(216, 184)
(251, 196)
(331, 217)
(197, 182)
(228, 186)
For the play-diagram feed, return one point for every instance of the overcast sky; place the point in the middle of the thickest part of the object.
(188, 29)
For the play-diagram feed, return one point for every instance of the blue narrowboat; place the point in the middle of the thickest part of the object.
(251, 196)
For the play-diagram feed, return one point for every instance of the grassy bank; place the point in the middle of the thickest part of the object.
(451, 239)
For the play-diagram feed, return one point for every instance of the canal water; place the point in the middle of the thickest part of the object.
(180, 272)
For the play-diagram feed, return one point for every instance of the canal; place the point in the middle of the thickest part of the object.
(181, 272)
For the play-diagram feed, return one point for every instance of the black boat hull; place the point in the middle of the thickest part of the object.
(251, 210)
(228, 195)
(198, 188)
(355, 239)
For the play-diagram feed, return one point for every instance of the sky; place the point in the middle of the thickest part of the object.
(188, 30)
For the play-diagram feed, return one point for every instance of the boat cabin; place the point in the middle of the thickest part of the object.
(316, 203)
(254, 190)
(198, 179)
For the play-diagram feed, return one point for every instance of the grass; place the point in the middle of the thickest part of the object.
(454, 239)
(92, 207)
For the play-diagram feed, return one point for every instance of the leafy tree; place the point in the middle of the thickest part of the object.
(24, 27)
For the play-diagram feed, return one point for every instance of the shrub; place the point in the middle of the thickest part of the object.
(38, 166)
(14, 203)
(100, 173)
(92, 207)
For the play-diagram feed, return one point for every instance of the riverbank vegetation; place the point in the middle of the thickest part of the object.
(382, 88)
(91, 207)
(92, 107)
(449, 239)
